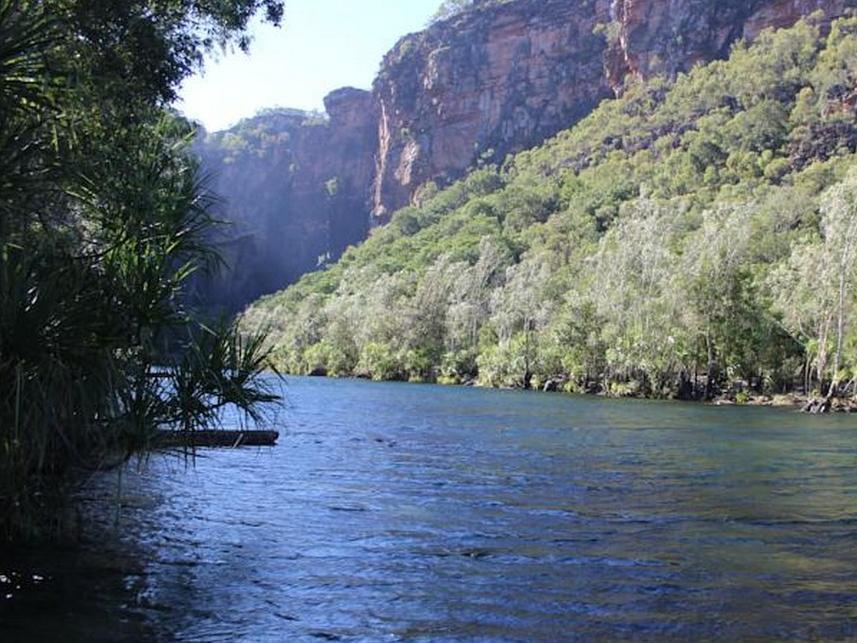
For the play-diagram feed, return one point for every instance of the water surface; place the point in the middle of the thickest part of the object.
(403, 512)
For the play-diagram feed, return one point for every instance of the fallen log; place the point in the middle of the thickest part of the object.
(217, 438)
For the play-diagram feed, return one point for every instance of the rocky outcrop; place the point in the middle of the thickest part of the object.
(651, 37)
(334, 169)
(481, 85)
(507, 75)
(493, 80)
(294, 188)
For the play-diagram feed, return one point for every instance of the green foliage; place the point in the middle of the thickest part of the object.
(103, 219)
(687, 239)
(450, 8)
(379, 361)
(260, 138)
(142, 49)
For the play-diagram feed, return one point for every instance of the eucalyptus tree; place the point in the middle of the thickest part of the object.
(636, 293)
(815, 286)
(839, 228)
(470, 307)
(427, 315)
(519, 311)
(714, 274)
(802, 299)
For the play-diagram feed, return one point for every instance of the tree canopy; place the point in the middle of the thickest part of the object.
(451, 8)
(691, 238)
(103, 219)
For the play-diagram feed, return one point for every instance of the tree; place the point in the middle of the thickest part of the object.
(450, 8)
(839, 228)
(635, 291)
(145, 48)
(519, 311)
(103, 219)
(814, 286)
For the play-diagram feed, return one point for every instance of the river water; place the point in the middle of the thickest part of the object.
(408, 512)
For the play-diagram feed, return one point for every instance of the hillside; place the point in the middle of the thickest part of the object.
(488, 80)
(682, 238)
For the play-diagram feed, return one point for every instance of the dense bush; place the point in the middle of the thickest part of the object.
(686, 238)
(102, 221)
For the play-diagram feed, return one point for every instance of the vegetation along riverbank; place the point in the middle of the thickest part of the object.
(103, 219)
(691, 239)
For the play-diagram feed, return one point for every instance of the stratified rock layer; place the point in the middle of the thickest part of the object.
(482, 85)
(504, 77)
(496, 79)
(668, 36)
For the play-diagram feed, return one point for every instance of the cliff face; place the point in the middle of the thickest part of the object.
(504, 77)
(668, 36)
(482, 85)
(294, 188)
(334, 168)
(496, 79)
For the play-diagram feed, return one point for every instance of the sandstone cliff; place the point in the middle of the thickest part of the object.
(493, 80)
(503, 77)
(486, 83)
(668, 36)
(294, 188)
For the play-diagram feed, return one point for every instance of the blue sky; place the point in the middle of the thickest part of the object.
(321, 46)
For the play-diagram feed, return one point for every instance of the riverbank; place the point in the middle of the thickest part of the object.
(736, 397)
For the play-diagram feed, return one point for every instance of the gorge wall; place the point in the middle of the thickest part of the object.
(293, 189)
(498, 78)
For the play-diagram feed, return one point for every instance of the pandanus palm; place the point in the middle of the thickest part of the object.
(102, 222)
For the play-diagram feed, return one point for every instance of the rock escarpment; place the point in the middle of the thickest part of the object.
(479, 86)
(504, 77)
(493, 80)
(652, 37)
(293, 188)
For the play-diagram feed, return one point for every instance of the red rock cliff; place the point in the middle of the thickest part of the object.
(505, 76)
(489, 82)
(498, 78)
(667, 36)
(295, 188)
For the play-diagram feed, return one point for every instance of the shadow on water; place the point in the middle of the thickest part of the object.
(425, 513)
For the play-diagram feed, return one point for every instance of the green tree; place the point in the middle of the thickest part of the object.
(839, 228)
(450, 8)
(814, 286)
(103, 219)
(636, 292)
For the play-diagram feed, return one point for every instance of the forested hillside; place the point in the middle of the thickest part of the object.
(686, 238)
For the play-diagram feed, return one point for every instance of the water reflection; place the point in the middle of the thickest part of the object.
(424, 513)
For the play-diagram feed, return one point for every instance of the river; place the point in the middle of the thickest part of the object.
(417, 512)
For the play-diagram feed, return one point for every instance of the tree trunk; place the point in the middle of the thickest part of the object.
(711, 368)
(840, 331)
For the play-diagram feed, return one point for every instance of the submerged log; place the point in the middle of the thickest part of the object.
(217, 438)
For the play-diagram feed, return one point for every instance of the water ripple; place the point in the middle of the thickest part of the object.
(393, 512)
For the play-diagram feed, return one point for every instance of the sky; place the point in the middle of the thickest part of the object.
(322, 45)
